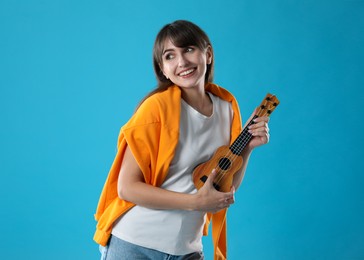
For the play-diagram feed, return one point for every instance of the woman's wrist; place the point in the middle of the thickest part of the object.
(247, 151)
(195, 202)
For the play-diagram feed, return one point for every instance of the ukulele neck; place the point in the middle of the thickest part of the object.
(242, 140)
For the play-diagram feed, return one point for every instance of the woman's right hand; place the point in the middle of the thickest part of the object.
(211, 200)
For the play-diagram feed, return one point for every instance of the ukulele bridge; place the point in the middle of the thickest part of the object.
(204, 179)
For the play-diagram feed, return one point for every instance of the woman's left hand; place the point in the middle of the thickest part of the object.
(259, 130)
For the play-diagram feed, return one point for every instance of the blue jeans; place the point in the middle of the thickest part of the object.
(118, 249)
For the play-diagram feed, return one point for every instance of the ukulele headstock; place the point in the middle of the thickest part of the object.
(269, 103)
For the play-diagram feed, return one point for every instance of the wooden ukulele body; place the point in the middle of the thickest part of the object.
(226, 165)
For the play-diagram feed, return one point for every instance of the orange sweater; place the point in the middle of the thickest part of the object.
(152, 135)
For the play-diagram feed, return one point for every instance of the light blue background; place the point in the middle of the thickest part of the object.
(72, 72)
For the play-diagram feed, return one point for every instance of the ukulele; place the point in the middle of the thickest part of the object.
(227, 160)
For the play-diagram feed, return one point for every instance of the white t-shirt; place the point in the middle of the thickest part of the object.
(179, 232)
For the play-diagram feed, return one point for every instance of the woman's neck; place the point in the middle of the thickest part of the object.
(199, 100)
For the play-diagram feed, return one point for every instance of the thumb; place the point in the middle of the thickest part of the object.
(251, 116)
(211, 178)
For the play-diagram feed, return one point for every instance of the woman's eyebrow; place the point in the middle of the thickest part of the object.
(167, 50)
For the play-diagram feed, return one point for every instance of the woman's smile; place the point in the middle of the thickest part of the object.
(187, 73)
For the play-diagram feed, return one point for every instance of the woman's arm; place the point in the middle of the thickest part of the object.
(131, 187)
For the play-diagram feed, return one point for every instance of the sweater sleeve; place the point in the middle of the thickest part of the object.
(142, 135)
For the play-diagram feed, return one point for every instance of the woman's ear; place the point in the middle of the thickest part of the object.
(160, 67)
(209, 55)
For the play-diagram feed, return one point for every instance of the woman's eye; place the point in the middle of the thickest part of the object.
(189, 49)
(169, 56)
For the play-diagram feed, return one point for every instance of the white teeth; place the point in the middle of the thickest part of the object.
(186, 72)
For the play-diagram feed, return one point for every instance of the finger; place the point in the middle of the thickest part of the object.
(264, 139)
(212, 177)
(262, 135)
(230, 196)
(228, 202)
(263, 128)
(259, 132)
(232, 189)
(258, 125)
(262, 119)
(231, 202)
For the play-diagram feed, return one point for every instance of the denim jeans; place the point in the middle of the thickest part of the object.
(118, 249)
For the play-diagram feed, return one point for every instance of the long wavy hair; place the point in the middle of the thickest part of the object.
(182, 34)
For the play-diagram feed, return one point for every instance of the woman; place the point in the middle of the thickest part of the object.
(149, 207)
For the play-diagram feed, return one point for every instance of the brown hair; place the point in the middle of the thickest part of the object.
(182, 33)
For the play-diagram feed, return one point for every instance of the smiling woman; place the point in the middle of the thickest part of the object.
(149, 207)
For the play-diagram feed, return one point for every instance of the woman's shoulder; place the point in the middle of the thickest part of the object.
(160, 100)
(157, 107)
(219, 91)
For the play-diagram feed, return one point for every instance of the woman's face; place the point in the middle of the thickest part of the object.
(185, 67)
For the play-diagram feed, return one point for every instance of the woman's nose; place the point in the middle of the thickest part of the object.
(182, 61)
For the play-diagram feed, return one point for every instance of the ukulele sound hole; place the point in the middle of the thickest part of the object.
(224, 163)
